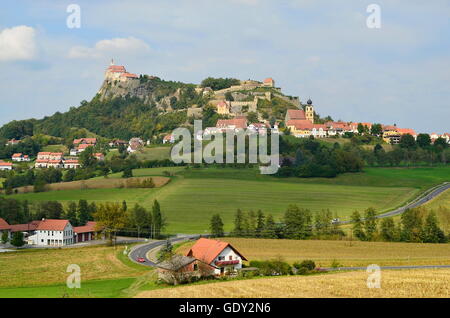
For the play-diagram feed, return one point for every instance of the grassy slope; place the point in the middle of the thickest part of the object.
(105, 272)
(154, 153)
(192, 197)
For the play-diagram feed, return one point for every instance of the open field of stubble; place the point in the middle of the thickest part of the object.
(400, 283)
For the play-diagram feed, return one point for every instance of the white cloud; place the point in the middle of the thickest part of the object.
(107, 47)
(18, 43)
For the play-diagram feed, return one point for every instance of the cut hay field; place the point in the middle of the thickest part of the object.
(37, 267)
(404, 283)
(194, 195)
(55, 148)
(98, 183)
(348, 254)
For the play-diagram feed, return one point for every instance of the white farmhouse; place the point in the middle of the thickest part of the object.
(220, 256)
(53, 233)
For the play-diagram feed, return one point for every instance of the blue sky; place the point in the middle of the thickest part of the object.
(318, 49)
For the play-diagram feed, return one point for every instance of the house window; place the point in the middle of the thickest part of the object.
(221, 258)
(230, 258)
(195, 267)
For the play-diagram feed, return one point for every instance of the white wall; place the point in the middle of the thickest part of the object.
(55, 238)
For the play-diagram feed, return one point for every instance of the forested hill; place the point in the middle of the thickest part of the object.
(147, 107)
(163, 109)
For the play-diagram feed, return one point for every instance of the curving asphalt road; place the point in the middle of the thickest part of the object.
(141, 251)
(414, 204)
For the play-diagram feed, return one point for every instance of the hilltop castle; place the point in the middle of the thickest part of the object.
(118, 73)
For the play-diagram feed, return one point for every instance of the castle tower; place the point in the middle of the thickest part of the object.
(309, 111)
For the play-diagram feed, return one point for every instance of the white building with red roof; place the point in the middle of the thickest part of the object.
(269, 82)
(53, 233)
(5, 165)
(118, 73)
(222, 257)
(85, 233)
(19, 157)
(236, 124)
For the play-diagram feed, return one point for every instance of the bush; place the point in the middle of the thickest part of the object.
(272, 267)
(307, 264)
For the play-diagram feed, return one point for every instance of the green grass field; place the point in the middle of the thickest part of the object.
(154, 153)
(195, 194)
(55, 148)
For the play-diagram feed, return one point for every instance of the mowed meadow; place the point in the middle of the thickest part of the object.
(427, 283)
(194, 195)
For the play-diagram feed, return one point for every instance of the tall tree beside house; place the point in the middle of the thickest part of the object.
(357, 229)
(411, 226)
(140, 218)
(260, 224)
(159, 222)
(216, 226)
(238, 230)
(83, 212)
(71, 213)
(5, 237)
(388, 230)
(408, 142)
(370, 224)
(376, 130)
(298, 223)
(270, 228)
(110, 218)
(431, 231)
(17, 239)
(87, 159)
(423, 140)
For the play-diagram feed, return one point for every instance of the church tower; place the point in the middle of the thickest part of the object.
(309, 111)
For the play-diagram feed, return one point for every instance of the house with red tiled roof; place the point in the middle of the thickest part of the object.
(5, 165)
(4, 227)
(118, 73)
(19, 157)
(85, 233)
(51, 232)
(269, 82)
(236, 124)
(222, 257)
(295, 114)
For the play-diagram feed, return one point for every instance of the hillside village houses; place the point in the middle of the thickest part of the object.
(5, 165)
(135, 144)
(19, 157)
(51, 232)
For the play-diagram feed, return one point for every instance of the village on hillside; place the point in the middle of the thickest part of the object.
(237, 103)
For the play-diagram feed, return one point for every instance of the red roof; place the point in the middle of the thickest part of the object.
(405, 131)
(5, 164)
(84, 146)
(268, 80)
(17, 155)
(85, 140)
(54, 161)
(88, 228)
(207, 250)
(4, 225)
(32, 226)
(300, 124)
(72, 161)
(41, 161)
(237, 122)
(129, 75)
(44, 153)
(117, 69)
(52, 225)
(296, 114)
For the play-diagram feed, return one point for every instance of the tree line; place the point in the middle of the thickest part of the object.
(416, 225)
